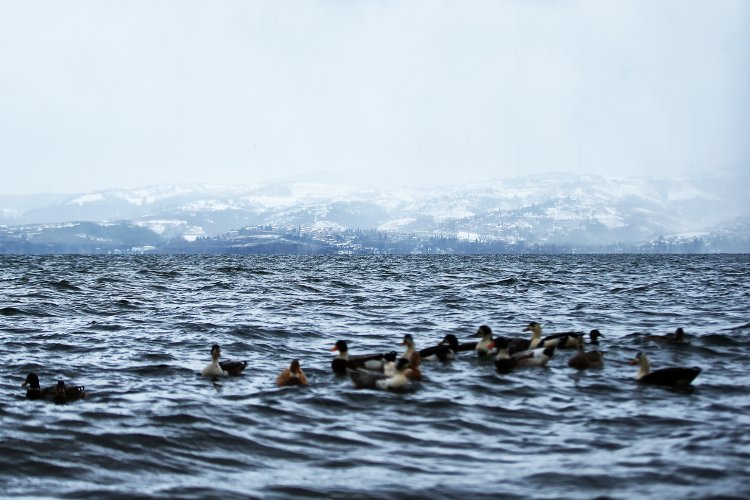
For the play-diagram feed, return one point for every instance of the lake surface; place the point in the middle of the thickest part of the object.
(136, 331)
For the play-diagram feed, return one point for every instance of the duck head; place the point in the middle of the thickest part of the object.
(594, 336)
(641, 360)
(340, 346)
(294, 367)
(32, 381)
(215, 351)
(450, 340)
(484, 331)
(638, 359)
(408, 340)
(679, 334)
(535, 329)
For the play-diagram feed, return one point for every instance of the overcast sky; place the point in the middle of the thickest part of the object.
(110, 94)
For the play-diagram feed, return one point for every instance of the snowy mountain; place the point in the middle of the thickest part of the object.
(551, 209)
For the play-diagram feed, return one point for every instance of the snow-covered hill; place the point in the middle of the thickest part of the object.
(555, 209)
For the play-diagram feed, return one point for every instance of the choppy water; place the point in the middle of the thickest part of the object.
(136, 332)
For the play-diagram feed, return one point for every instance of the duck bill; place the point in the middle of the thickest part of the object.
(334, 348)
(633, 362)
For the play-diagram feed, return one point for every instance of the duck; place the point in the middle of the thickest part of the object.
(343, 360)
(505, 361)
(59, 394)
(464, 346)
(519, 345)
(561, 340)
(292, 375)
(411, 353)
(678, 337)
(594, 337)
(218, 368)
(535, 357)
(672, 377)
(376, 380)
(445, 351)
(582, 359)
(484, 347)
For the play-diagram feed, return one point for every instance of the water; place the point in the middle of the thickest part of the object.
(137, 330)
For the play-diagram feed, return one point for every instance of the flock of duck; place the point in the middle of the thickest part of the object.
(389, 371)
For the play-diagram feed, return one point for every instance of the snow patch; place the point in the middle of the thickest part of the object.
(209, 205)
(323, 225)
(87, 198)
(395, 224)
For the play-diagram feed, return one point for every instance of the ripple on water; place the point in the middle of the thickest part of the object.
(153, 428)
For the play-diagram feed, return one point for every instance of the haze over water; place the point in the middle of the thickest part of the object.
(136, 331)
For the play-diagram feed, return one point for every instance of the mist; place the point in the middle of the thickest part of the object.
(124, 94)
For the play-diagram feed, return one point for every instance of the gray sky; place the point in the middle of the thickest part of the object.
(109, 94)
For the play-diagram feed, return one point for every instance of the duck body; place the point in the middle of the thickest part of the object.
(504, 362)
(466, 347)
(674, 377)
(344, 361)
(562, 340)
(60, 393)
(444, 351)
(366, 379)
(224, 369)
(484, 347)
(214, 369)
(411, 354)
(678, 337)
(65, 394)
(583, 359)
(671, 377)
(517, 344)
(534, 357)
(292, 375)
(233, 368)
(218, 368)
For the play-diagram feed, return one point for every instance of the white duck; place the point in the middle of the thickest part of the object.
(484, 347)
(376, 380)
(224, 368)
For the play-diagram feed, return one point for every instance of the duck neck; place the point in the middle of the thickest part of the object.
(536, 337)
(343, 355)
(409, 351)
(645, 369)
